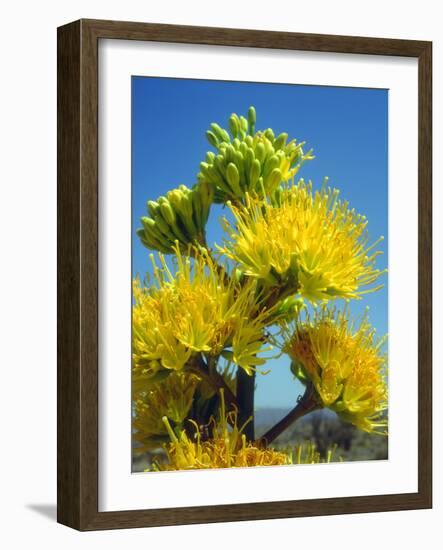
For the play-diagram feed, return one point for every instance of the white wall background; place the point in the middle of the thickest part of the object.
(28, 270)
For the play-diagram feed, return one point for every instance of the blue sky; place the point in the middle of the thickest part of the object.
(346, 127)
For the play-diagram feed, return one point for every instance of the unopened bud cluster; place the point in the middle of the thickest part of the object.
(249, 161)
(180, 216)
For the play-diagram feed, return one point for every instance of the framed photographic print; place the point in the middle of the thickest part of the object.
(244, 275)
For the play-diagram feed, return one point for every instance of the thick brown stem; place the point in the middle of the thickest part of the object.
(217, 382)
(245, 399)
(305, 405)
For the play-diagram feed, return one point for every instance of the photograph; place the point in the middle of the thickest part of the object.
(259, 274)
(219, 230)
(245, 274)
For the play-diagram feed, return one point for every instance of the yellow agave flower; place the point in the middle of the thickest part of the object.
(197, 310)
(171, 397)
(228, 448)
(345, 364)
(185, 454)
(306, 453)
(304, 242)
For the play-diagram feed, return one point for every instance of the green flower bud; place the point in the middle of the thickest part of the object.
(252, 117)
(254, 173)
(233, 178)
(220, 133)
(184, 189)
(250, 157)
(240, 164)
(229, 153)
(280, 155)
(176, 198)
(161, 200)
(249, 140)
(152, 207)
(150, 242)
(154, 236)
(291, 146)
(270, 135)
(273, 180)
(234, 124)
(218, 178)
(219, 163)
(280, 141)
(243, 148)
(197, 208)
(186, 215)
(164, 227)
(148, 223)
(243, 124)
(140, 232)
(269, 148)
(260, 151)
(167, 212)
(210, 156)
(271, 163)
(210, 136)
(206, 174)
(248, 160)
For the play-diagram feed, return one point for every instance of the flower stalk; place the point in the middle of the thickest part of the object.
(306, 404)
(245, 400)
(215, 380)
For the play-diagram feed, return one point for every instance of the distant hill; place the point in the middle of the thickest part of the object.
(325, 429)
(266, 417)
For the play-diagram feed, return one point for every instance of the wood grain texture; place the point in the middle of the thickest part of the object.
(68, 275)
(425, 273)
(77, 171)
(254, 38)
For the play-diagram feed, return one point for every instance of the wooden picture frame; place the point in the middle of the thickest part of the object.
(78, 274)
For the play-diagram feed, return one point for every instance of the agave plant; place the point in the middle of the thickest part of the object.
(204, 325)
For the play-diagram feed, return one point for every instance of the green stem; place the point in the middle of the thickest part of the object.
(245, 398)
(305, 405)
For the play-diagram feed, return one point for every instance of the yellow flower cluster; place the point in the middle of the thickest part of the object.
(228, 448)
(307, 453)
(345, 364)
(170, 397)
(198, 310)
(185, 454)
(305, 242)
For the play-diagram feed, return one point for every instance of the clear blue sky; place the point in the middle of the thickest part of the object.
(346, 127)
